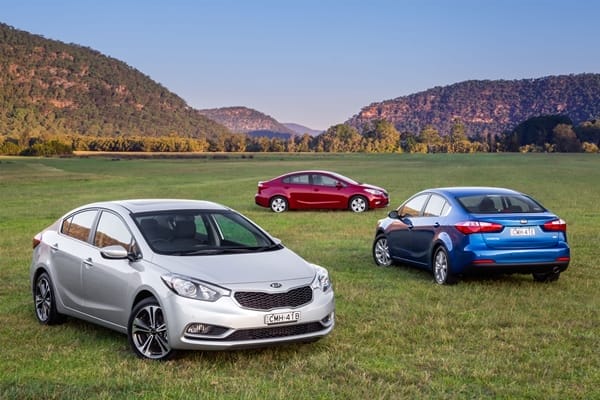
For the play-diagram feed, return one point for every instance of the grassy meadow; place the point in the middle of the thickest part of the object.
(398, 335)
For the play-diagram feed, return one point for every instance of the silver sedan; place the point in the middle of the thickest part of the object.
(175, 275)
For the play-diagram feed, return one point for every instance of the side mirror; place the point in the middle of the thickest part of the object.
(394, 214)
(114, 252)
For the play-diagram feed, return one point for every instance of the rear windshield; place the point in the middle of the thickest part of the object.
(496, 204)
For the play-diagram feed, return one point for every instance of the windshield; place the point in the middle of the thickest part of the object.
(495, 204)
(196, 232)
(345, 178)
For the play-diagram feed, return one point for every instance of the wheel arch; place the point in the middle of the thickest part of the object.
(40, 269)
(443, 240)
(142, 295)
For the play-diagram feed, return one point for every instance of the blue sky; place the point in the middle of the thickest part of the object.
(318, 62)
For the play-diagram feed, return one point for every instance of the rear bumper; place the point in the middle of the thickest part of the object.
(261, 201)
(521, 268)
(523, 261)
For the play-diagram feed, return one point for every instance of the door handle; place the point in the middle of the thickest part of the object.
(54, 247)
(410, 227)
(436, 225)
(88, 262)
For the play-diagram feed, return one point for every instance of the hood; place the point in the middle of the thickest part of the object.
(368, 186)
(236, 269)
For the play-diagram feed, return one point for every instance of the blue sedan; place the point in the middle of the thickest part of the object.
(464, 230)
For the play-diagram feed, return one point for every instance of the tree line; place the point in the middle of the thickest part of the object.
(553, 133)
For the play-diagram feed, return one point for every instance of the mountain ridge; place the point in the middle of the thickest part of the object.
(240, 119)
(301, 129)
(494, 106)
(49, 86)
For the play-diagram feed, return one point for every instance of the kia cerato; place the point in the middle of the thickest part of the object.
(463, 230)
(319, 190)
(176, 275)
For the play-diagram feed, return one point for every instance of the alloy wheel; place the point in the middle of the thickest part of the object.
(381, 252)
(440, 267)
(149, 332)
(43, 299)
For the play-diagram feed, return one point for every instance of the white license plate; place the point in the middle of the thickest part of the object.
(522, 231)
(282, 318)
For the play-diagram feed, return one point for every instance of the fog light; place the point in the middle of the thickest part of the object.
(198, 329)
(328, 319)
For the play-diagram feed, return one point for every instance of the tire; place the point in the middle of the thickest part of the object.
(546, 276)
(278, 204)
(44, 301)
(358, 204)
(381, 251)
(442, 273)
(147, 331)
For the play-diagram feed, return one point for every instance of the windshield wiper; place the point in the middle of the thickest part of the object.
(274, 246)
(225, 250)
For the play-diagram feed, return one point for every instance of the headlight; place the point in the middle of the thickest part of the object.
(374, 192)
(193, 289)
(321, 280)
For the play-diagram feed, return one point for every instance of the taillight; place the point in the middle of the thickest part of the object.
(37, 239)
(556, 225)
(469, 227)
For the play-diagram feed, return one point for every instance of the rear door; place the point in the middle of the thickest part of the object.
(298, 190)
(69, 249)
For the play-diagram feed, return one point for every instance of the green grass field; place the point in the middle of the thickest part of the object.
(398, 335)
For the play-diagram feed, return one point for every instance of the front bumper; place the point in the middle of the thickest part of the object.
(379, 202)
(237, 327)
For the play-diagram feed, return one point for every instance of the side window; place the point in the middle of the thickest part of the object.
(297, 179)
(446, 210)
(324, 180)
(200, 226)
(414, 206)
(79, 225)
(435, 206)
(112, 231)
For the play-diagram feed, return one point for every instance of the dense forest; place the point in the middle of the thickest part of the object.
(538, 134)
(57, 98)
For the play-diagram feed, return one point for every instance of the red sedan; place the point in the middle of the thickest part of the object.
(319, 190)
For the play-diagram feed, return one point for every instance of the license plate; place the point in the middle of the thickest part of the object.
(282, 318)
(522, 231)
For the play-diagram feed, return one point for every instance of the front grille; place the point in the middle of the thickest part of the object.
(268, 301)
(274, 332)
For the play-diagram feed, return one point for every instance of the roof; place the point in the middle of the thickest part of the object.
(145, 205)
(472, 190)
